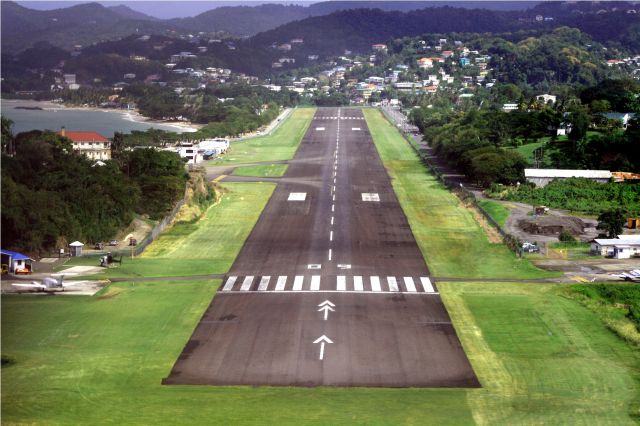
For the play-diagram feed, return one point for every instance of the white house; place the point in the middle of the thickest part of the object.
(541, 177)
(623, 247)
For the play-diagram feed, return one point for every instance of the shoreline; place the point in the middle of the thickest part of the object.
(129, 115)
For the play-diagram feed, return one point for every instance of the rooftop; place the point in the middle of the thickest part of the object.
(567, 173)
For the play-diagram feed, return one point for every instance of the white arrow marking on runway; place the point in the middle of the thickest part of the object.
(326, 309)
(322, 340)
(327, 302)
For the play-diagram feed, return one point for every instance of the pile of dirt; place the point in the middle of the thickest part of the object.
(552, 225)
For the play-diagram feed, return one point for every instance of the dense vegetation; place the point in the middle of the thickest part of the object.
(575, 194)
(623, 296)
(51, 195)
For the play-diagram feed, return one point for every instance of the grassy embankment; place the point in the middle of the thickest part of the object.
(541, 357)
(453, 243)
(278, 146)
(498, 211)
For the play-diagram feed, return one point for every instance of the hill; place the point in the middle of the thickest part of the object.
(82, 24)
(128, 13)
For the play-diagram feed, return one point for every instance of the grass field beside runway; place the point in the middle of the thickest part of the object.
(542, 359)
(208, 246)
(261, 170)
(496, 210)
(280, 145)
(451, 240)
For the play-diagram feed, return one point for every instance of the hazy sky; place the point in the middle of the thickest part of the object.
(159, 9)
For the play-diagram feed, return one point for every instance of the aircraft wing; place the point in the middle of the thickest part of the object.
(32, 285)
(72, 283)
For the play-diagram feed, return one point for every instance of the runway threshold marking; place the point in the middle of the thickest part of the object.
(375, 283)
(393, 284)
(264, 283)
(341, 283)
(229, 285)
(315, 283)
(297, 283)
(426, 284)
(282, 281)
(357, 283)
(246, 284)
(408, 283)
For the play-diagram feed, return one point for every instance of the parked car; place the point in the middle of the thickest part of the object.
(113, 242)
(530, 248)
(98, 246)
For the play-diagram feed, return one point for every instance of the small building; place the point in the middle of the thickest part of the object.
(509, 107)
(541, 177)
(425, 63)
(623, 247)
(91, 144)
(16, 262)
(464, 62)
(75, 248)
(545, 98)
(379, 47)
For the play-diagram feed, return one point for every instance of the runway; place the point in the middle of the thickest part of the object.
(330, 288)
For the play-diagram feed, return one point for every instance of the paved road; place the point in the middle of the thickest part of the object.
(333, 232)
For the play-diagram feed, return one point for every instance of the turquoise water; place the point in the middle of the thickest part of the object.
(53, 117)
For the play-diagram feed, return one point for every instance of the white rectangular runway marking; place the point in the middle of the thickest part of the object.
(297, 283)
(355, 128)
(375, 283)
(282, 280)
(334, 188)
(333, 208)
(344, 266)
(426, 283)
(333, 198)
(332, 220)
(315, 283)
(246, 284)
(330, 235)
(229, 284)
(370, 196)
(408, 282)
(264, 283)
(329, 254)
(357, 283)
(319, 129)
(342, 283)
(314, 266)
(297, 196)
(393, 284)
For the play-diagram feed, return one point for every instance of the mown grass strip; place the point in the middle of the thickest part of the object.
(453, 243)
(261, 170)
(280, 145)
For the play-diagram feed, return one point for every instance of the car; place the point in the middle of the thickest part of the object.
(113, 242)
(530, 248)
(98, 246)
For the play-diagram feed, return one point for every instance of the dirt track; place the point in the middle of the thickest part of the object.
(386, 324)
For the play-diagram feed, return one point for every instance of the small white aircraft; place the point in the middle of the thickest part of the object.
(48, 284)
(633, 275)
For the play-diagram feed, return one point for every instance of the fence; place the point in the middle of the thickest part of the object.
(157, 230)
(460, 191)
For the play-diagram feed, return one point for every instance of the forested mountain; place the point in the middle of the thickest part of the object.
(82, 24)
(128, 13)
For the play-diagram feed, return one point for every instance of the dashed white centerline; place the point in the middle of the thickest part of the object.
(331, 220)
(331, 236)
(329, 254)
(333, 207)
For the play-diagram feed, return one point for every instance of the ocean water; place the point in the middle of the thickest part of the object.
(53, 117)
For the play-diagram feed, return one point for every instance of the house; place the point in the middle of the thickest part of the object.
(379, 47)
(16, 262)
(447, 53)
(464, 62)
(541, 177)
(425, 63)
(546, 98)
(91, 144)
(509, 107)
(285, 47)
(623, 247)
(622, 117)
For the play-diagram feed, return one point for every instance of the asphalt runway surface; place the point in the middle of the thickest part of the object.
(330, 288)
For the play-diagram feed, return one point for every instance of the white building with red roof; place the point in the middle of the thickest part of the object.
(91, 144)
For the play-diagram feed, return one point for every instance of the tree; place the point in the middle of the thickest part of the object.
(7, 135)
(612, 221)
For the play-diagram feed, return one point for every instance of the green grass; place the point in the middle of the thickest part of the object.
(280, 145)
(496, 210)
(261, 170)
(541, 358)
(577, 250)
(453, 243)
(208, 246)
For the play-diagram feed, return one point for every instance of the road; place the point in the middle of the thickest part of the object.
(330, 288)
